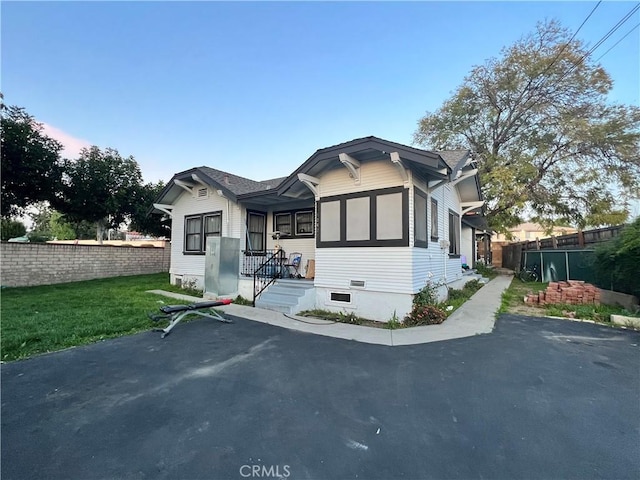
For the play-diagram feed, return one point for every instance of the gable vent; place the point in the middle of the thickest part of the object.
(202, 192)
(357, 283)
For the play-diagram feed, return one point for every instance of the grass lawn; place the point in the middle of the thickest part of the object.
(513, 302)
(53, 317)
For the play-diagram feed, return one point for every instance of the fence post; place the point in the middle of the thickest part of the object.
(581, 239)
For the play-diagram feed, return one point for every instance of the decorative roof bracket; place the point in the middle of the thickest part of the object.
(197, 179)
(187, 186)
(311, 183)
(352, 165)
(468, 206)
(465, 175)
(395, 158)
(163, 208)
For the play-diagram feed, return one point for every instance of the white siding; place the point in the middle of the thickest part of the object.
(433, 262)
(191, 267)
(451, 201)
(428, 264)
(383, 269)
(379, 306)
(373, 175)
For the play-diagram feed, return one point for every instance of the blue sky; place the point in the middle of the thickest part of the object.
(256, 88)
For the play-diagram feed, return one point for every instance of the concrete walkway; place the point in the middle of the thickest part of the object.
(474, 317)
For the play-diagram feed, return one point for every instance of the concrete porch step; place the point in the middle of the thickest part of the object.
(286, 295)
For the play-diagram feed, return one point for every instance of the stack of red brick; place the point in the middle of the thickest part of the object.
(572, 292)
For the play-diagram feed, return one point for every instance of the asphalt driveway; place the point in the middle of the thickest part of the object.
(538, 398)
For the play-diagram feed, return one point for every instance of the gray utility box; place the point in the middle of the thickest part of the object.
(221, 266)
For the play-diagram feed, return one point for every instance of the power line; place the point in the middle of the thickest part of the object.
(603, 39)
(571, 39)
(615, 44)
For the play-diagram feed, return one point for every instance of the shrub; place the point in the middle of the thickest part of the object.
(486, 271)
(425, 315)
(472, 287)
(425, 309)
(617, 261)
(11, 229)
(456, 294)
(466, 292)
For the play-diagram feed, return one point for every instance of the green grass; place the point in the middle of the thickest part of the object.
(53, 317)
(597, 313)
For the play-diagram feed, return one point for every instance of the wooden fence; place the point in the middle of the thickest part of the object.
(513, 254)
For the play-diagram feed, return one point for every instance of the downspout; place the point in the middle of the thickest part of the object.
(444, 249)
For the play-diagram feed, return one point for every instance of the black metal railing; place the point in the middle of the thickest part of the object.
(267, 272)
(252, 259)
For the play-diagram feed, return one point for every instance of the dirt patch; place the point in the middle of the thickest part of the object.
(527, 310)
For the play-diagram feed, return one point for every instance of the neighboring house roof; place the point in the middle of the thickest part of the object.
(535, 227)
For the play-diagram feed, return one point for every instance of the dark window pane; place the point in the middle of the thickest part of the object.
(304, 223)
(213, 224)
(434, 220)
(283, 223)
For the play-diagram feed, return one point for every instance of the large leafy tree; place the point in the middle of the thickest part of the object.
(99, 187)
(141, 220)
(31, 166)
(550, 146)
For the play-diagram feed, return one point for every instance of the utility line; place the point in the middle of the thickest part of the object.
(602, 40)
(571, 39)
(615, 44)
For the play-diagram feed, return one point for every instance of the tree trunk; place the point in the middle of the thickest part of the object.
(99, 231)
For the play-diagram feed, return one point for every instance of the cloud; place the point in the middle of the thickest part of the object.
(72, 145)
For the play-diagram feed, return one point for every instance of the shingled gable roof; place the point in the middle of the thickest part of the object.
(232, 186)
(424, 159)
(454, 158)
(236, 187)
(237, 184)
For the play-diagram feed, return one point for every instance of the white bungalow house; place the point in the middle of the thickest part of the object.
(372, 219)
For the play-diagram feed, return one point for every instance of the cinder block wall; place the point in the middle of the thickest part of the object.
(28, 264)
